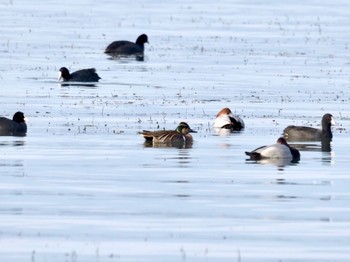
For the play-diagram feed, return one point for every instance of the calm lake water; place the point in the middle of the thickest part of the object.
(81, 186)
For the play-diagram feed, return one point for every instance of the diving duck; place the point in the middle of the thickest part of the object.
(226, 120)
(279, 150)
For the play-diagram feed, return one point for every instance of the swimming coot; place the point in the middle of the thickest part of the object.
(305, 133)
(127, 48)
(15, 127)
(84, 75)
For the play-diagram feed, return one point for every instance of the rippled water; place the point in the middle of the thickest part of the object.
(81, 186)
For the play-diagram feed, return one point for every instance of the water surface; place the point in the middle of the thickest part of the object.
(81, 186)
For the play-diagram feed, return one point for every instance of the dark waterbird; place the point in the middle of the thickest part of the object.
(83, 75)
(127, 48)
(305, 133)
(15, 127)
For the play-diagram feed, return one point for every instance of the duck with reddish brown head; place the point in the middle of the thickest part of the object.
(225, 119)
(279, 150)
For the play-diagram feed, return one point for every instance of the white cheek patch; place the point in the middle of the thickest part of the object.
(59, 76)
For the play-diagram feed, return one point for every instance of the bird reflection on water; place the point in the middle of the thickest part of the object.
(280, 163)
(68, 84)
(176, 144)
(324, 146)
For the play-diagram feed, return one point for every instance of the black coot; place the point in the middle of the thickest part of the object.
(15, 127)
(84, 75)
(127, 48)
(305, 133)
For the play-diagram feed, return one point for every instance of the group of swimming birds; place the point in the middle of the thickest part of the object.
(120, 48)
(225, 120)
(181, 137)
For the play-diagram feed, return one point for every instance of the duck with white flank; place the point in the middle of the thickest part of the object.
(279, 150)
(226, 120)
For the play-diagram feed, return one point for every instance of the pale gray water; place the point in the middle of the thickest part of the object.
(82, 187)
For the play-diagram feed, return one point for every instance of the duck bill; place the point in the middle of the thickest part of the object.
(192, 131)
